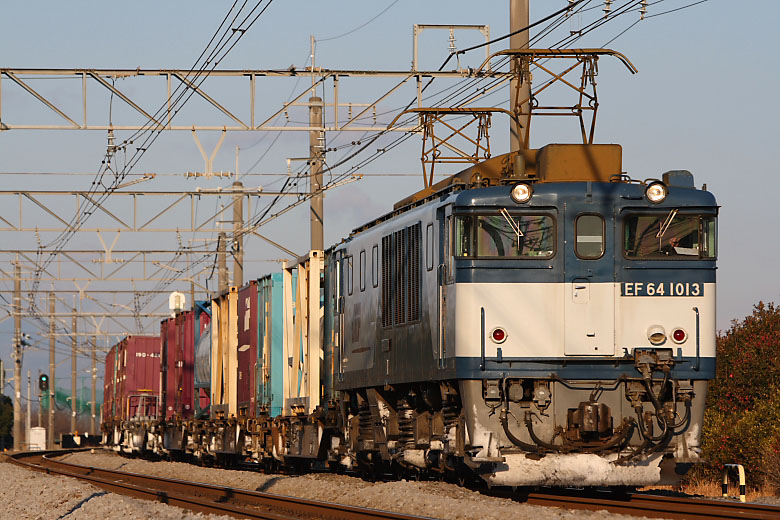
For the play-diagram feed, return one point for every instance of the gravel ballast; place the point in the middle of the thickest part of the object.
(27, 494)
(433, 499)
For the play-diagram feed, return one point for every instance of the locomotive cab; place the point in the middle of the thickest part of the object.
(582, 321)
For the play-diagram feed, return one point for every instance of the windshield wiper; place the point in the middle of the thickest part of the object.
(666, 224)
(512, 224)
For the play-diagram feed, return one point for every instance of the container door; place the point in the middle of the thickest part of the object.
(246, 359)
(589, 279)
(263, 343)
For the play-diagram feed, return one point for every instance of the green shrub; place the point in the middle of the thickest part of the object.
(742, 421)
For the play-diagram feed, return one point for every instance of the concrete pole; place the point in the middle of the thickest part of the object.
(40, 404)
(73, 374)
(92, 429)
(17, 356)
(222, 263)
(52, 366)
(316, 148)
(29, 406)
(519, 17)
(238, 239)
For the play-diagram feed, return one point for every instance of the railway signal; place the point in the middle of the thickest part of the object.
(43, 382)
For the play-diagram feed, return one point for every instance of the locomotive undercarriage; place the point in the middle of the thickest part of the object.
(512, 431)
(508, 431)
(629, 431)
(404, 429)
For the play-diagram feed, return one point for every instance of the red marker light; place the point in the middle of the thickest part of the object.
(498, 335)
(679, 335)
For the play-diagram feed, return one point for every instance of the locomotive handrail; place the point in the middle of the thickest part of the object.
(482, 341)
(698, 342)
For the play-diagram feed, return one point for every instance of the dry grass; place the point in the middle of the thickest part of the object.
(712, 489)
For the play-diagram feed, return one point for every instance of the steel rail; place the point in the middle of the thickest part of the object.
(199, 497)
(209, 498)
(648, 505)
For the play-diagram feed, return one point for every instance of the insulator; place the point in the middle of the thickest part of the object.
(643, 10)
(452, 41)
(607, 7)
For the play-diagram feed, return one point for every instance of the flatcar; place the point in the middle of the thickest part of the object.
(550, 324)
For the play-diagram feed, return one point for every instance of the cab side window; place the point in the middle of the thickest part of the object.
(589, 236)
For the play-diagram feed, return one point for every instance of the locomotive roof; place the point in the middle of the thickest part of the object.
(626, 193)
(556, 171)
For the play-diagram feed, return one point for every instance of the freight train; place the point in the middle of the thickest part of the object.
(550, 324)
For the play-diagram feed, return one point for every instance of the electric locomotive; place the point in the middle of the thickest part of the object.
(538, 319)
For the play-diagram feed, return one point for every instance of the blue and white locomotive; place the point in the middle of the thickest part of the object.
(538, 319)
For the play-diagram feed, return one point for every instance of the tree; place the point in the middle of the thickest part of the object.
(742, 421)
(6, 421)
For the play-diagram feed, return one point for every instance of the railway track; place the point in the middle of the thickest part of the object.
(651, 506)
(203, 498)
(242, 503)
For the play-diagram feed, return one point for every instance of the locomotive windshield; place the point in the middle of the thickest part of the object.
(669, 236)
(505, 235)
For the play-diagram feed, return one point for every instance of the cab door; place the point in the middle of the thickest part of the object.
(589, 274)
(339, 267)
(445, 278)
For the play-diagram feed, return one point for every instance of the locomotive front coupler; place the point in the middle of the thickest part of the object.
(648, 361)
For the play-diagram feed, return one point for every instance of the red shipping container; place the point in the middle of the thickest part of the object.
(247, 349)
(178, 365)
(138, 377)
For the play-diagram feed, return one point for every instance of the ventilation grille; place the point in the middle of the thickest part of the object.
(401, 276)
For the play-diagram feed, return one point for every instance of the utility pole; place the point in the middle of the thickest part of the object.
(52, 366)
(221, 262)
(17, 355)
(519, 17)
(316, 149)
(238, 239)
(92, 430)
(29, 403)
(40, 403)
(73, 374)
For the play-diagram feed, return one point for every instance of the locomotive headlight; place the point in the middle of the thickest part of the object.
(656, 192)
(521, 193)
(656, 334)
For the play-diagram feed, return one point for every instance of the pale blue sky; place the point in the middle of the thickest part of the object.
(704, 100)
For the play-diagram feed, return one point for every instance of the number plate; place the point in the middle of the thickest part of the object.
(661, 289)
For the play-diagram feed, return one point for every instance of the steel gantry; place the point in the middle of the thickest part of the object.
(114, 274)
(228, 119)
(31, 211)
